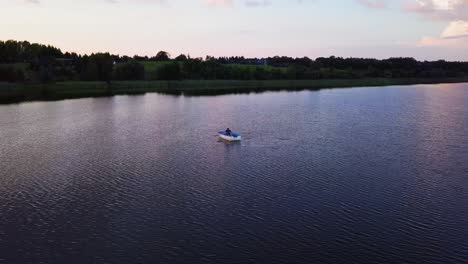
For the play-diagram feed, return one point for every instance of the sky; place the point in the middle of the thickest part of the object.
(424, 29)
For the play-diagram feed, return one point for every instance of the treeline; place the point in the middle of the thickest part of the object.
(35, 63)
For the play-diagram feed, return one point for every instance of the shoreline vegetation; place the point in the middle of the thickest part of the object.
(16, 93)
(31, 72)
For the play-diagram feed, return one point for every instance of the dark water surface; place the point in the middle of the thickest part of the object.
(365, 175)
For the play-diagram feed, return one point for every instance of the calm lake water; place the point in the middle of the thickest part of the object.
(365, 175)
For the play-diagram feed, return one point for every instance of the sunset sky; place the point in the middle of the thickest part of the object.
(424, 29)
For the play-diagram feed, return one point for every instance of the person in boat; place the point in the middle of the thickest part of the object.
(228, 132)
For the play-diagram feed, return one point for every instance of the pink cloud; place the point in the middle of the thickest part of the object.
(456, 29)
(439, 9)
(455, 35)
(443, 42)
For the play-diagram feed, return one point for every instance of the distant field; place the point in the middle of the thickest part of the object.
(22, 66)
(151, 66)
(265, 67)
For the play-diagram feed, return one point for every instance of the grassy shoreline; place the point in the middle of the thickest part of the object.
(14, 93)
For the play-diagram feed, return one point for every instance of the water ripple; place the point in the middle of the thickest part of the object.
(321, 177)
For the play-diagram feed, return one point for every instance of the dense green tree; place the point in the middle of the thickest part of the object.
(21, 61)
(132, 70)
(162, 56)
(167, 71)
(99, 67)
(181, 57)
(90, 71)
(10, 73)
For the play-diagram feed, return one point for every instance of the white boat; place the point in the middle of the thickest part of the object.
(232, 137)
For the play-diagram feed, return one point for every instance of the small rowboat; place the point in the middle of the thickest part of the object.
(232, 137)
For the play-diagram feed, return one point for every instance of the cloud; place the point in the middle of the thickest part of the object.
(444, 5)
(461, 42)
(456, 29)
(455, 35)
(439, 9)
(378, 4)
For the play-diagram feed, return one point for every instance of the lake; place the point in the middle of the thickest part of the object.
(361, 175)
